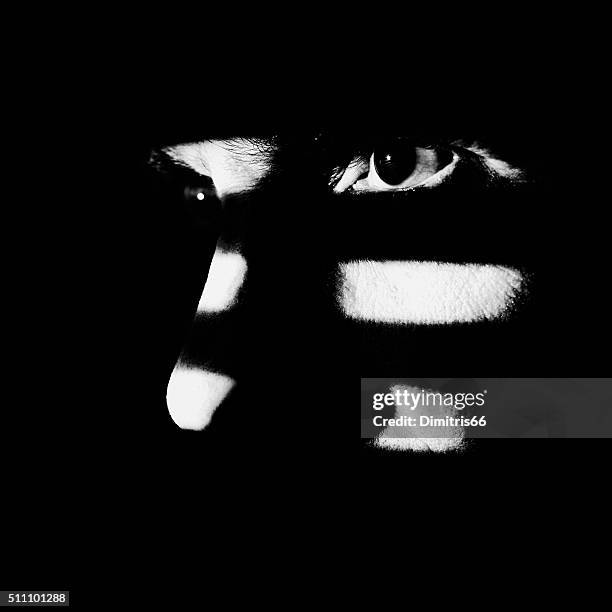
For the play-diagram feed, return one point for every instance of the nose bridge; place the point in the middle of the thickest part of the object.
(263, 307)
(286, 237)
(268, 309)
(225, 280)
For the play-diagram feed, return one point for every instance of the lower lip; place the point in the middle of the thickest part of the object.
(421, 438)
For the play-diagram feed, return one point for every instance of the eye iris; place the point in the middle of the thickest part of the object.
(394, 164)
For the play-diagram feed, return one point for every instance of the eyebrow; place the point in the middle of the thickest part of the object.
(340, 146)
(335, 150)
(256, 147)
(233, 164)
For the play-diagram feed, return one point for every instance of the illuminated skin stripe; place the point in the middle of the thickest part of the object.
(426, 293)
(397, 292)
(194, 394)
(225, 278)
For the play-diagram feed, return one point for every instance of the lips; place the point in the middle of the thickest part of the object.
(414, 435)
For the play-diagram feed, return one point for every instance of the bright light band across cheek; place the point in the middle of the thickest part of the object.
(426, 293)
(225, 278)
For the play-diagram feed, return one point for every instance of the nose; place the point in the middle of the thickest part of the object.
(264, 312)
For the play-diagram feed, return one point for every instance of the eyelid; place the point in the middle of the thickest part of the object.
(351, 174)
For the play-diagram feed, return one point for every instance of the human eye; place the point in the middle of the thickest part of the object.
(397, 165)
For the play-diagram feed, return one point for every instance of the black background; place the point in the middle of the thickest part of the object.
(131, 483)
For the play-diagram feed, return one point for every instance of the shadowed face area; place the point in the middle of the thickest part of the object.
(339, 254)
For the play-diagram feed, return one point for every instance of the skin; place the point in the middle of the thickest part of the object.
(277, 273)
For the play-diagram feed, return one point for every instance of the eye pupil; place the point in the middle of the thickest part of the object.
(394, 163)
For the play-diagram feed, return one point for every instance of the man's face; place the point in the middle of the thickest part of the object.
(382, 255)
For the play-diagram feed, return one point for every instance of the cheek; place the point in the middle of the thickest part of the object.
(426, 293)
